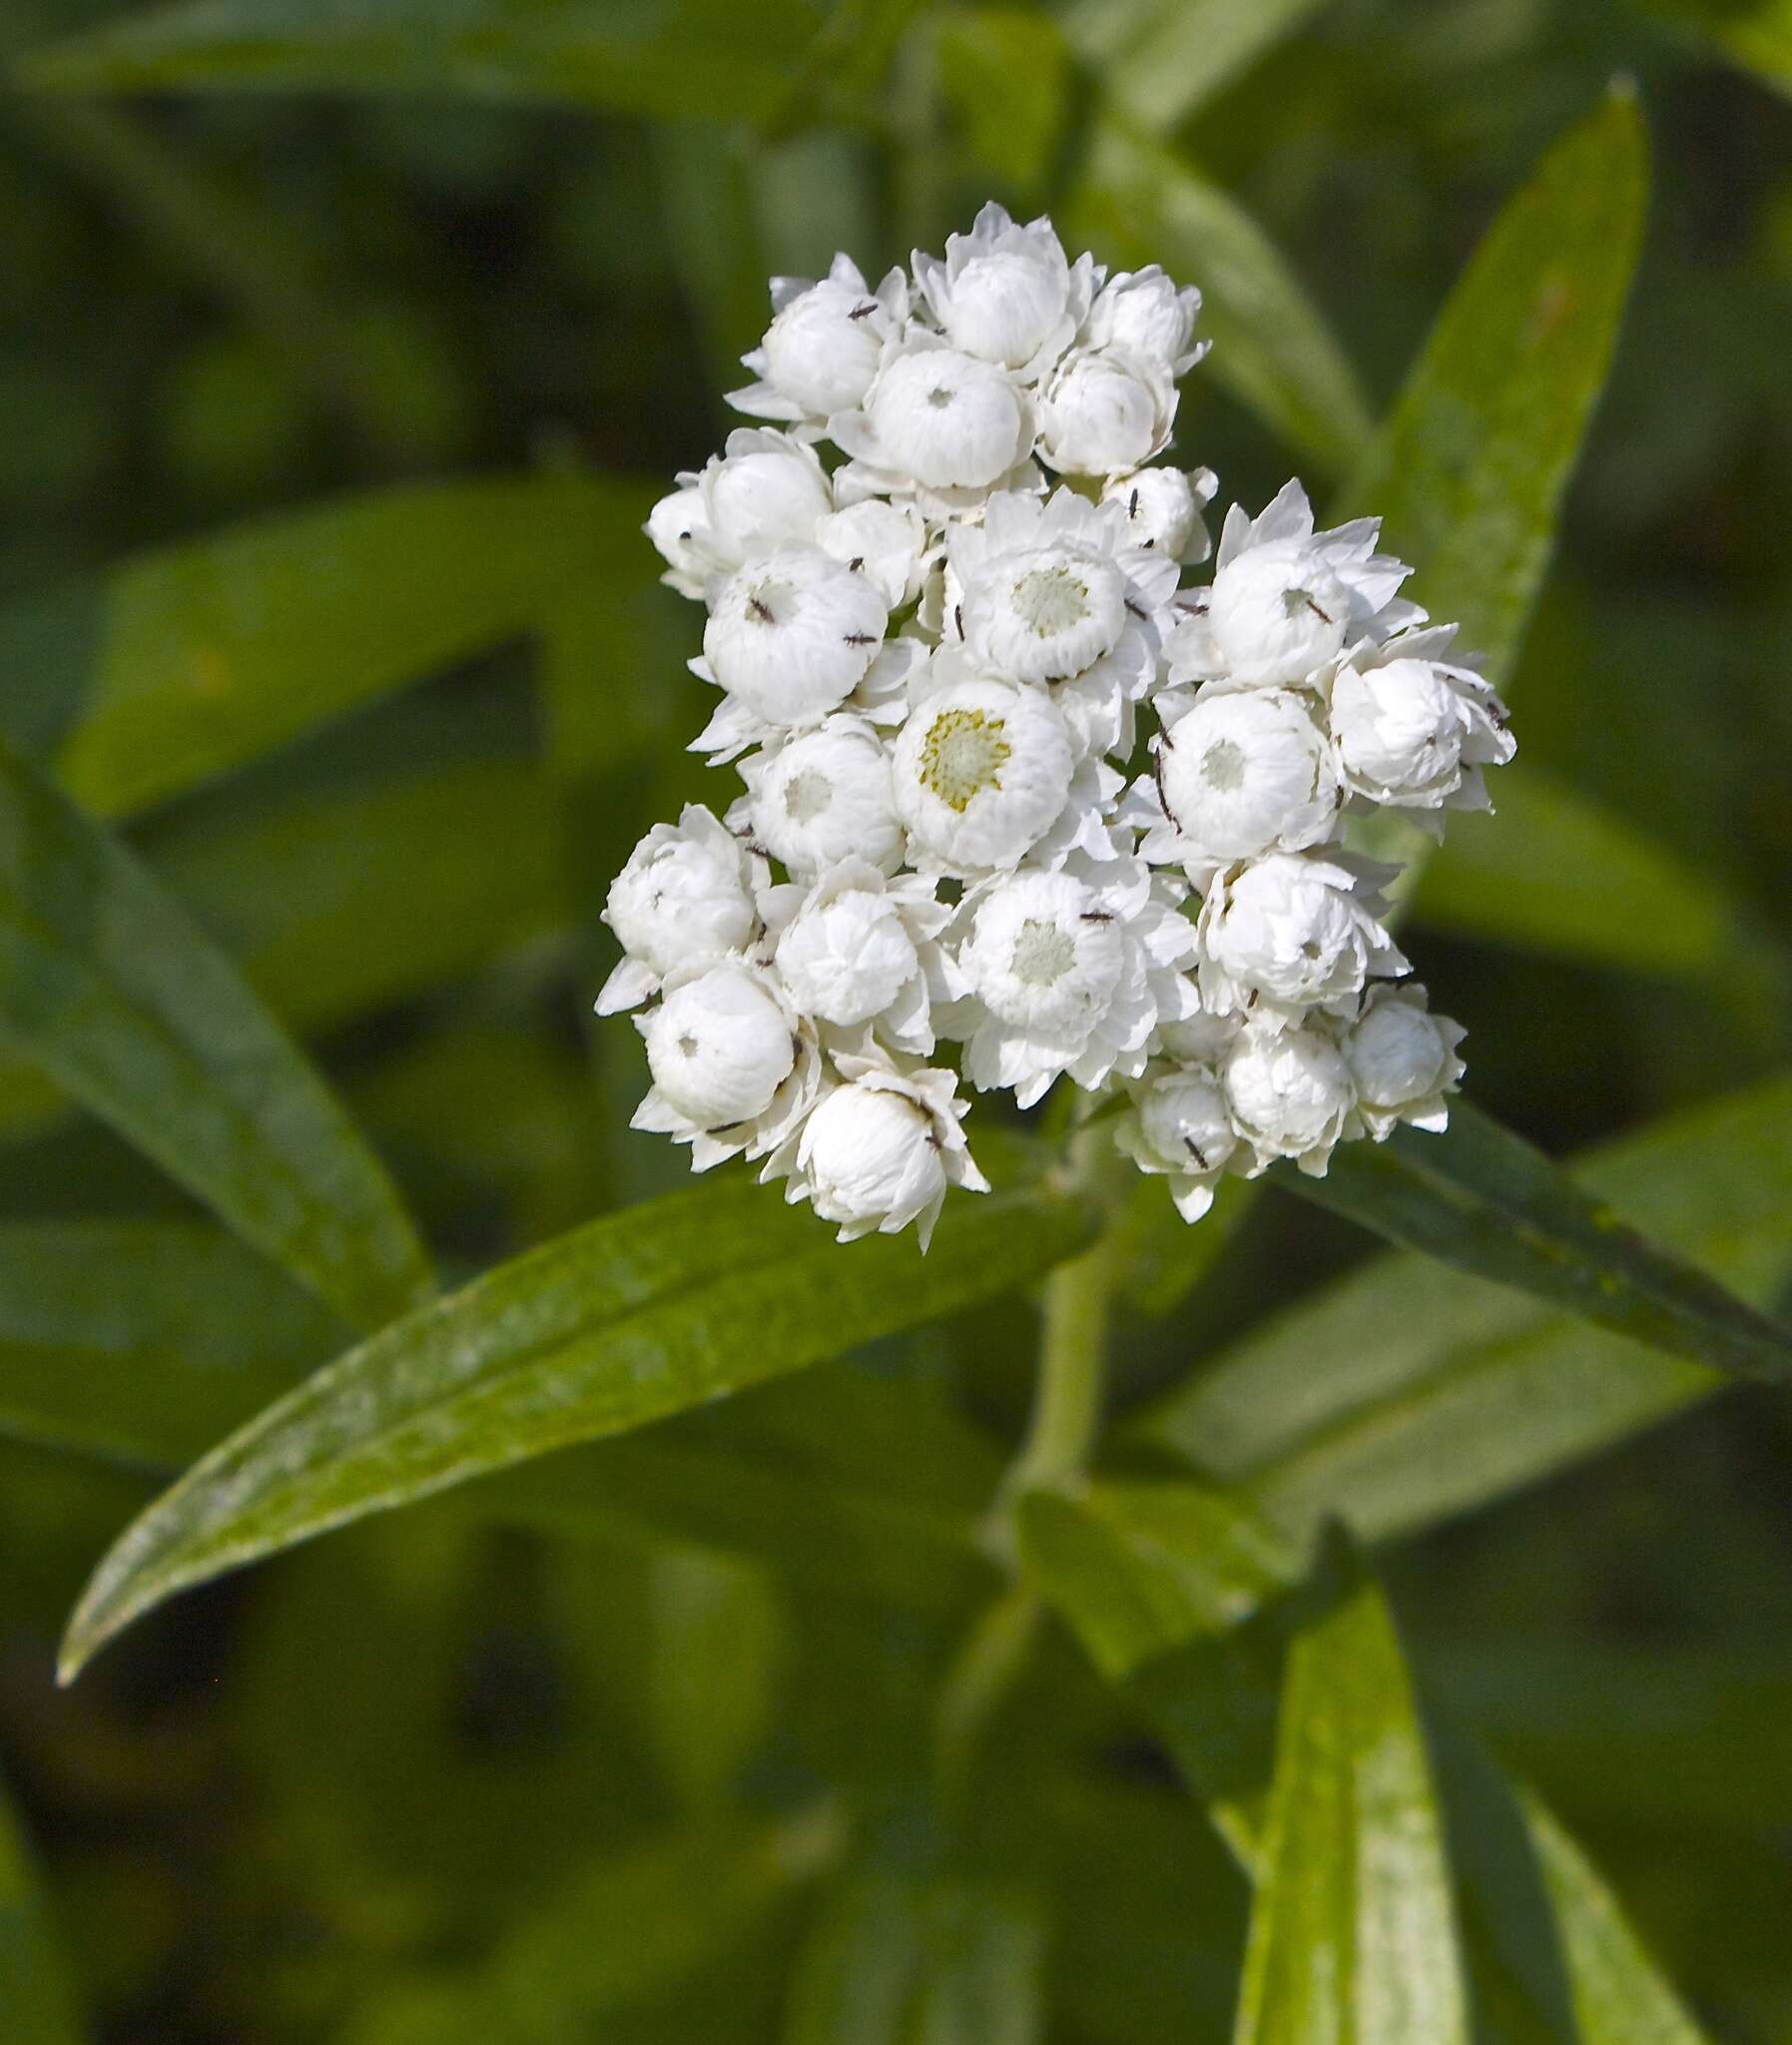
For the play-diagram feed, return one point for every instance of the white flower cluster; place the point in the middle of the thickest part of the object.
(933, 650)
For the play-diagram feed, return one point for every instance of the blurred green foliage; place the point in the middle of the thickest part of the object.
(342, 347)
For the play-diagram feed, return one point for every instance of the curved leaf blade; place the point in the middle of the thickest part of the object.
(36, 1985)
(663, 58)
(1353, 1933)
(1756, 34)
(1137, 202)
(1483, 1200)
(1469, 470)
(1441, 1392)
(106, 986)
(1559, 872)
(637, 1316)
(125, 1339)
(1164, 59)
(183, 664)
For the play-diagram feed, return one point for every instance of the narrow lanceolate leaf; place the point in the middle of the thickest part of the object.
(1757, 34)
(1353, 1933)
(1441, 1392)
(1136, 202)
(1548, 1956)
(1145, 1565)
(1161, 59)
(667, 59)
(37, 1995)
(628, 1926)
(1469, 470)
(143, 1341)
(1556, 871)
(183, 664)
(1483, 1200)
(898, 1959)
(108, 988)
(1552, 1958)
(640, 1315)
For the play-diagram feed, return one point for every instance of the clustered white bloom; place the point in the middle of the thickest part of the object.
(935, 648)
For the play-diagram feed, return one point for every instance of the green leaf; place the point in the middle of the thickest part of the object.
(631, 1925)
(1005, 73)
(897, 1958)
(1550, 1959)
(1757, 34)
(860, 1484)
(663, 58)
(140, 1341)
(336, 904)
(1146, 1565)
(106, 984)
(1440, 1392)
(1468, 474)
(1556, 871)
(36, 1984)
(1483, 1200)
(1138, 202)
(1163, 59)
(640, 1315)
(1353, 1933)
(185, 664)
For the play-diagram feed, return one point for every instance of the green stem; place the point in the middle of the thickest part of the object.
(1072, 1358)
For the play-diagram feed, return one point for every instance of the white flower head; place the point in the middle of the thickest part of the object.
(1286, 601)
(766, 490)
(983, 771)
(1291, 1095)
(881, 1150)
(1163, 510)
(1105, 412)
(792, 635)
(1292, 933)
(888, 542)
(691, 893)
(821, 799)
(1071, 970)
(858, 948)
(1403, 1060)
(1006, 292)
(1051, 590)
(938, 425)
(1416, 731)
(1150, 316)
(822, 346)
(734, 1068)
(1238, 774)
(1180, 1126)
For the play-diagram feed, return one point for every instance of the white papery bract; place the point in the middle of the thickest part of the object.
(1180, 1126)
(689, 895)
(822, 349)
(735, 1068)
(1291, 1095)
(981, 772)
(1403, 1060)
(1163, 510)
(1295, 933)
(881, 1150)
(1239, 774)
(945, 601)
(860, 949)
(1105, 411)
(1073, 971)
(1414, 731)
